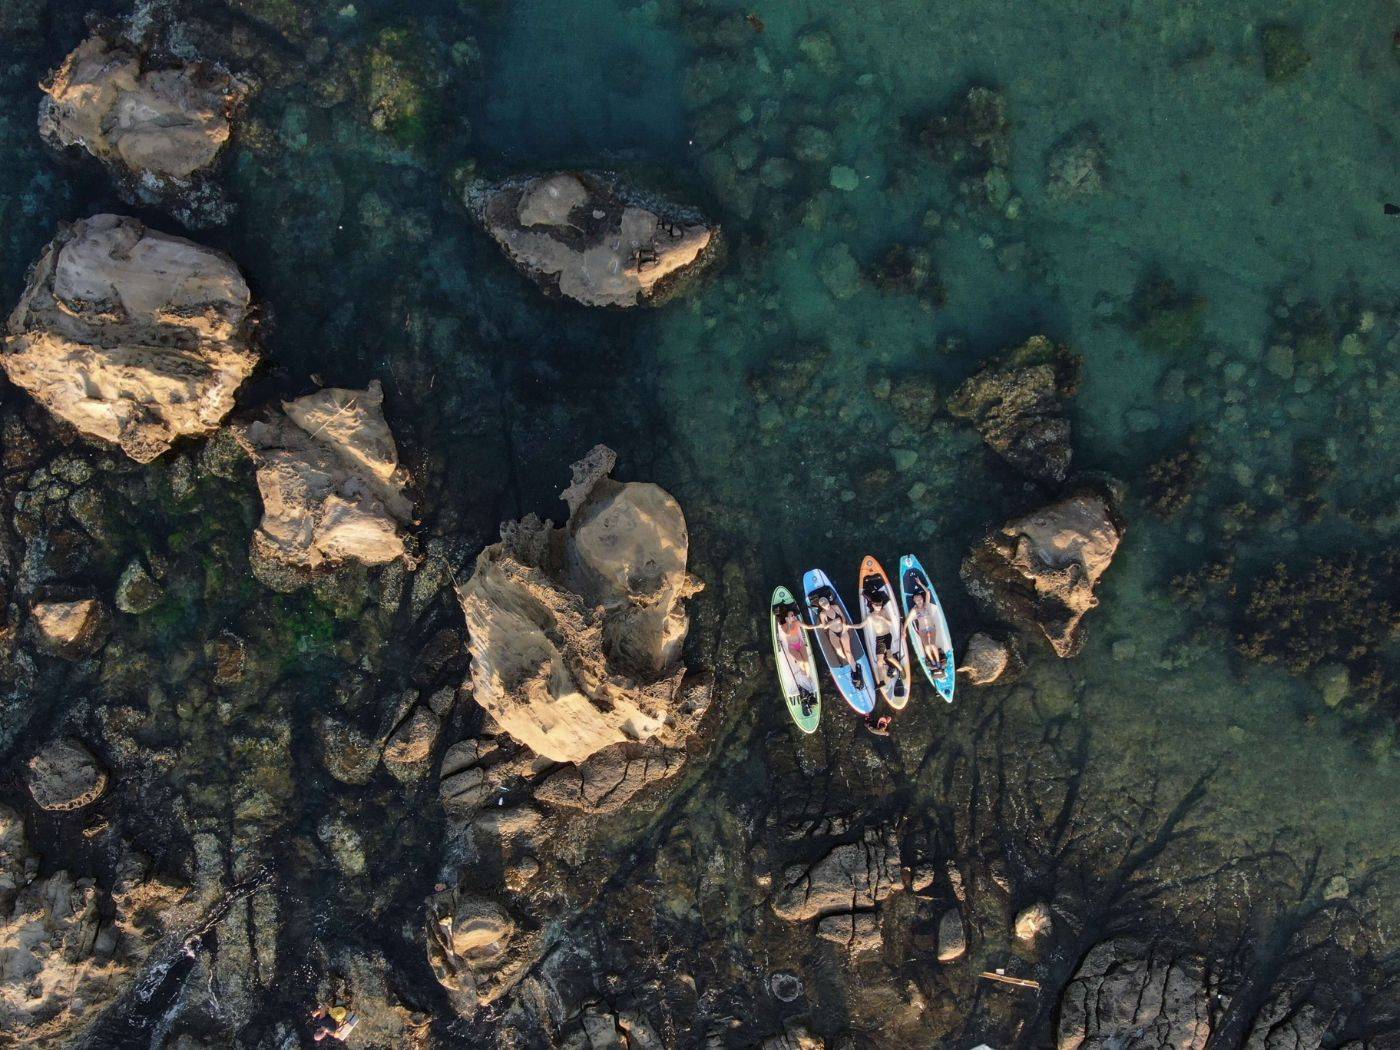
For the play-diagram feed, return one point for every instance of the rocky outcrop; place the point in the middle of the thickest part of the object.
(1017, 403)
(475, 949)
(1126, 994)
(63, 775)
(156, 125)
(70, 629)
(952, 936)
(1040, 571)
(854, 876)
(1032, 923)
(331, 484)
(67, 947)
(587, 236)
(134, 337)
(608, 780)
(575, 632)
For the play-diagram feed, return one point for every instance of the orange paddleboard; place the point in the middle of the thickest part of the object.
(877, 602)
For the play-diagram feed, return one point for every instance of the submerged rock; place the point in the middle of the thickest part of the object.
(1076, 166)
(1125, 994)
(591, 238)
(856, 875)
(331, 485)
(137, 592)
(575, 633)
(147, 122)
(70, 629)
(135, 337)
(64, 775)
(1017, 403)
(952, 936)
(1039, 572)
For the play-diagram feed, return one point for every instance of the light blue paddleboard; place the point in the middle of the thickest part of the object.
(861, 698)
(911, 578)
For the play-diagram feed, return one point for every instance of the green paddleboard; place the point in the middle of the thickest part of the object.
(797, 666)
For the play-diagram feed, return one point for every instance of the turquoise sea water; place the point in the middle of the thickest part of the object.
(763, 398)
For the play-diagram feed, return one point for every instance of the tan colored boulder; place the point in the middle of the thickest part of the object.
(592, 239)
(134, 337)
(331, 484)
(985, 659)
(568, 674)
(1032, 923)
(70, 629)
(1040, 571)
(169, 122)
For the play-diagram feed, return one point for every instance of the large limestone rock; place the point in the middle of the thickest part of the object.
(1125, 994)
(575, 632)
(161, 123)
(64, 775)
(1017, 404)
(330, 479)
(1040, 571)
(134, 337)
(592, 239)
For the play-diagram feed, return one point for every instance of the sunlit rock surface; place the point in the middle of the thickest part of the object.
(330, 479)
(68, 947)
(135, 337)
(592, 239)
(70, 629)
(1040, 571)
(164, 122)
(575, 632)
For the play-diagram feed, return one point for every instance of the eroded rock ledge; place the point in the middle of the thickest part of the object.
(331, 484)
(590, 238)
(135, 337)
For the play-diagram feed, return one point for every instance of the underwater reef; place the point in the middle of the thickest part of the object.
(409, 409)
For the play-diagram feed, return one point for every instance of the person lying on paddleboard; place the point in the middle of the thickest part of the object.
(883, 619)
(795, 646)
(833, 621)
(923, 617)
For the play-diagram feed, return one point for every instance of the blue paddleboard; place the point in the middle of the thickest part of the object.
(931, 627)
(860, 696)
